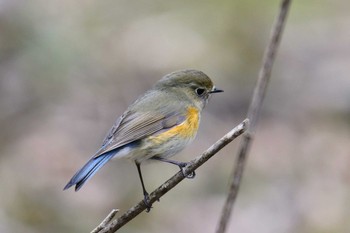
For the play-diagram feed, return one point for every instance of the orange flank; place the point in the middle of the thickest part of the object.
(186, 129)
(189, 127)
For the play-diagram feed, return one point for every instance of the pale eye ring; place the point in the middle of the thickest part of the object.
(200, 91)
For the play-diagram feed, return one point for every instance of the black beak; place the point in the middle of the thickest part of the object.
(215, 90)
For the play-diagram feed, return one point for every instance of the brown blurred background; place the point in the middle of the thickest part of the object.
(68, 69)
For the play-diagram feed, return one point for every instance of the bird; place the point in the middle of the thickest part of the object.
(158, 125)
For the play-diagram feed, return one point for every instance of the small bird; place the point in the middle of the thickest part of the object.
(158, 125)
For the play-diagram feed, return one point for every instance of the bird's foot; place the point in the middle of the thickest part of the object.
(189, 176)
(147, 202)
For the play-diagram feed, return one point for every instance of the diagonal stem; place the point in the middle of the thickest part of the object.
(253, 114)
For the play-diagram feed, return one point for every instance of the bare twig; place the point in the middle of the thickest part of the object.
(105, 221)
(177, 178)
(253, 114)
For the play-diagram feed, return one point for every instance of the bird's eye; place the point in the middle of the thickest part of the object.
(200, 91)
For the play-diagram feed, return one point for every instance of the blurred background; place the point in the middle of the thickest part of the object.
(68, 69)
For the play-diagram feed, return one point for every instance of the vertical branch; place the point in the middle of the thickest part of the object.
(254, 113)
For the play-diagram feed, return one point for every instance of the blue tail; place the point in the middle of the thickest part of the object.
(89, 169)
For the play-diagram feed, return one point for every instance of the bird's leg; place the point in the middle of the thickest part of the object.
(146, 199)
(181, 165)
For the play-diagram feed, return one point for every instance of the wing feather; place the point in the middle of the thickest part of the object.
(133, 126)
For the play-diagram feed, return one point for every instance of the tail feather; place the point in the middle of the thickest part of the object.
(88, 170)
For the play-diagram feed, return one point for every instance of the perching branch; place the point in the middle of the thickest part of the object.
(254, 113)
(172, 182)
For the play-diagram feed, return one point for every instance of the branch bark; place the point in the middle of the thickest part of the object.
(113, 226)
(254, 113)
(105, 221)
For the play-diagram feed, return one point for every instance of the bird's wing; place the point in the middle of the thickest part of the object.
(133, 126)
